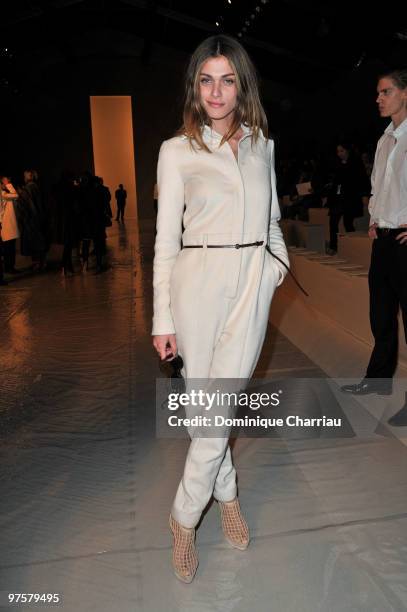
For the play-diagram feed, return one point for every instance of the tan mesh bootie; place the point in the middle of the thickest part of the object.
(234, 526)
(184, 556)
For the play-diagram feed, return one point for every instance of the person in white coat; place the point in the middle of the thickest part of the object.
(9, 229)
(214, 281)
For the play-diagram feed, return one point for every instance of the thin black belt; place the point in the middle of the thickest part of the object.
(223, 246)
(238, 246)
(390, 231)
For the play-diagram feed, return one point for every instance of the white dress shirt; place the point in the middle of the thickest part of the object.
(388, 204)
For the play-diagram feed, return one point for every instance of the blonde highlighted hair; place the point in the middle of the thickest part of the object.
(248, 110)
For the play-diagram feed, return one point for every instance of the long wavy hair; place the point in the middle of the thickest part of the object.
(248, 110)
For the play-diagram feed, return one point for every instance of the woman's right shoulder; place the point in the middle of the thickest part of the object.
(176, 143)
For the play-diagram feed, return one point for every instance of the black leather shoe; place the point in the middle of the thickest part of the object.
(399, 419)
(367, 386)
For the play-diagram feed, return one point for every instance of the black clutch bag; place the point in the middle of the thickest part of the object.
(172, 370)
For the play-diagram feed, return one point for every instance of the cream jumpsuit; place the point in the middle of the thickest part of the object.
(216, 300)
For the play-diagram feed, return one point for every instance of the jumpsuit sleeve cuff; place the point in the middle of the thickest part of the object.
(163, 326)
(277, 245)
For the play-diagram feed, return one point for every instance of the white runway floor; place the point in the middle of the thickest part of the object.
(86, 487)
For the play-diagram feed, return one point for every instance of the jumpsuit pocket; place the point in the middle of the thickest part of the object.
(276, 269)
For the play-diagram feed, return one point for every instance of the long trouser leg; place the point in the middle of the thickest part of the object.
(85, 250)
(100, 249)
(67, 257)
(334, 219)
(348, 219)
(401, 281)
(201, 469)
(9, 255)
(384, 306)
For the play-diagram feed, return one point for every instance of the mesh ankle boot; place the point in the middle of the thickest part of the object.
(184, 556)
(234, 526)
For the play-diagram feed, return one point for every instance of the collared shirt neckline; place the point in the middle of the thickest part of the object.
(213, 135)
(398, 131)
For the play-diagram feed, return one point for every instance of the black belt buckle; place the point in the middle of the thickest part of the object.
(388, 232)
(237, 246)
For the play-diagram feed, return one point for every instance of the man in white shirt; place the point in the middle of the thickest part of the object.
(388, 230)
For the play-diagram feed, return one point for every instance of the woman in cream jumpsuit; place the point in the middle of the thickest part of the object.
(215, 300)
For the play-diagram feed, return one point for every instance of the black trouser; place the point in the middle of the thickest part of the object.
(388, 293)
(9, 252)
(99, 242)
(85, 249)
(120, 210)
(334, 219)
(67, 257)
(100, 249)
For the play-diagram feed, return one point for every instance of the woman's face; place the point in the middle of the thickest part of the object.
(342, 153)
(217, 87)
